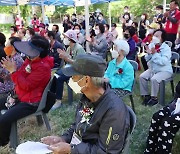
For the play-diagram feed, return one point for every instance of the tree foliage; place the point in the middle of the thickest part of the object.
(137, 7)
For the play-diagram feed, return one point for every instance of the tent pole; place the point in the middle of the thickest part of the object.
(75, 9)
(43, 12)
(109, 9)
(164, 6)
(87, 23)
(19, 11)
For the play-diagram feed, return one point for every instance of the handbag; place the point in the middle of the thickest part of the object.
(12, 99)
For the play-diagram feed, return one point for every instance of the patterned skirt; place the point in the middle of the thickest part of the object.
(120, 92)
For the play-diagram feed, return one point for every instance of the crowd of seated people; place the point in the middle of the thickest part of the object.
(31, 53)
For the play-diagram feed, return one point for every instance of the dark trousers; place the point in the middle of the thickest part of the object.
(15, 113)
(171, 37)
(144, 63)
(162, 132)
(60, 84)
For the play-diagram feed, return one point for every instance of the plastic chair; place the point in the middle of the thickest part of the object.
(135, 66)
(175, 57)
(70, 94)
(131, 129)
(39, 115)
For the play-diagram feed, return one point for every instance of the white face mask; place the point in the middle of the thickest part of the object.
(27, 36)
(155, 40)
(66, 41)
(151, 31)
(96, 32)
(125, 10)
(77, 31)
(74, 86)
(100, 18)
(158, 11)
(114, 54)
(142, 17)
(126, 17)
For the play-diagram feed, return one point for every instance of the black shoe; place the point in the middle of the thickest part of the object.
(152, 102)
(146, 99)
(3, 143)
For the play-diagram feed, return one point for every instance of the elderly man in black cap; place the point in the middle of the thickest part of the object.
(102, 119)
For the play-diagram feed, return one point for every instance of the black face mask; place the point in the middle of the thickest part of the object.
(34, 18)
(126, 36)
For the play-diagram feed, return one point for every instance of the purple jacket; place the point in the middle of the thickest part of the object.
(7, 84)
(132, 52)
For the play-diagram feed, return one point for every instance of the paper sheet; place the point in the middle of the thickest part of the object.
(30, 147)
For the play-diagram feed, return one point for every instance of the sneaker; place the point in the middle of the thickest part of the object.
(56, 105)
(152, 102)
(146, 99)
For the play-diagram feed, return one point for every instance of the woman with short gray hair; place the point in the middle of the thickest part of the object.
(120, 73)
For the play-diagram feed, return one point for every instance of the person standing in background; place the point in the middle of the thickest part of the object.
(18, 22)
(74, 19)
(143, 26)
(171, 19)
(159, 15)
(126, 21)
(55, 29)
(35, 23)
(65, 22)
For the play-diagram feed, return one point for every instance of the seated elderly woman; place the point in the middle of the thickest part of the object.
(70, 39)
(96, 128)
(128, 34)
(98, 45)
(7, 85)
(164, 125)
(120, 73)
(30, 81)
(158, 58)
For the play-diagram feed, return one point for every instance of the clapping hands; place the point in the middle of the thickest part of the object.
(8, 64)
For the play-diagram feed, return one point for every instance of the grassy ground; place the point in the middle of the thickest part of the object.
(61, 119)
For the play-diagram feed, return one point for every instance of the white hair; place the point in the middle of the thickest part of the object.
(122, 45)
(98, 81)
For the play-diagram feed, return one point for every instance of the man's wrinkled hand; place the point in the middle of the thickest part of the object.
(51, 140)
(60, 148)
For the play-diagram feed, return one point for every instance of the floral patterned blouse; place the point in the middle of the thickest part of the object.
(6, 83)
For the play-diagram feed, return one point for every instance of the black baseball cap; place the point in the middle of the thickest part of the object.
(86, 64)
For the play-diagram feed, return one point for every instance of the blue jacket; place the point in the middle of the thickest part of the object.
(122, 80)
(160, 62)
